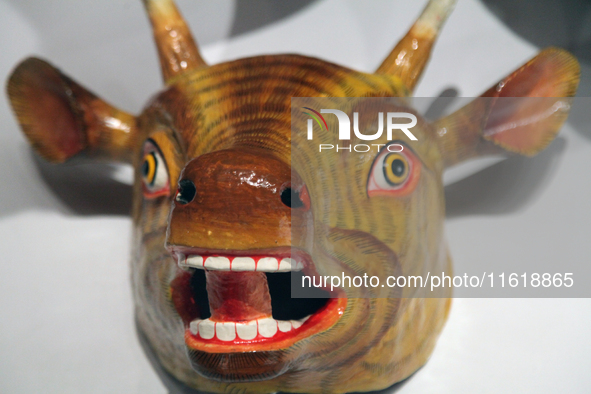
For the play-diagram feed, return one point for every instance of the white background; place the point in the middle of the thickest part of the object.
(66, 315)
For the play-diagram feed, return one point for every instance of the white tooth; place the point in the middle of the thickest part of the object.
(243, 264)
(180, 259)
(217, 263)
(285, 264)
(206, 329)
(267, 327)
(284, 326)
(247, 330)
(194, 326)
(299, 266)
(296, 324)
(194, 261)
(267, 264)
(225, 331)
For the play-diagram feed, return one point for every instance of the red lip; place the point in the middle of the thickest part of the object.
(320, 321)
(250, 309)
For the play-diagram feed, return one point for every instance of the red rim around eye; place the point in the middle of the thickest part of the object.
(394, 173)
(154, 173)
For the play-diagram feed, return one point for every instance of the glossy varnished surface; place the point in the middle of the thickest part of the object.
(231, 106)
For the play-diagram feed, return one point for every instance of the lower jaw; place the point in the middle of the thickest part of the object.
(231, 358)
(316, 323)
(258, 359)
(240, 367)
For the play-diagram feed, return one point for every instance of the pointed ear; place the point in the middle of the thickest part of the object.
(521, 114)
(61, 119)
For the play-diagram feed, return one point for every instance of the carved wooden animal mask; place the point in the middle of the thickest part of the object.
(215, 202)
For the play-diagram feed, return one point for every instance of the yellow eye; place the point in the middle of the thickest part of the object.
(149, 168)
(154, 173)
(394, 173)
(396, 169)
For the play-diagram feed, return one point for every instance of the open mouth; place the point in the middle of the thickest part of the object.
(242, 302)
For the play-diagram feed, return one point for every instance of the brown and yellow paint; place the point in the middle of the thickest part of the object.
(213, 157)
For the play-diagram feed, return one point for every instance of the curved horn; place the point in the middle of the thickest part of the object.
(409, 57)
(177, 50)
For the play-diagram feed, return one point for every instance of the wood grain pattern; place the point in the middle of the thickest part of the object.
(227, 129)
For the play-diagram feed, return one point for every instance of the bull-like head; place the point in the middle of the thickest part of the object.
(218, 196)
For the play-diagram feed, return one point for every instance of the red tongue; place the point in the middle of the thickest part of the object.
(238, 296)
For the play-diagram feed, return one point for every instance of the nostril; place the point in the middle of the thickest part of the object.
(287, 197)
(186, 191)
(295, 199)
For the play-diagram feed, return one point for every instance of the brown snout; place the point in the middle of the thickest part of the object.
(236, 203)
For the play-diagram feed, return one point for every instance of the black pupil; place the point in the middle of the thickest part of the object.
(186, 191)
(291, 198)
(145, 168)
(398, 167)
